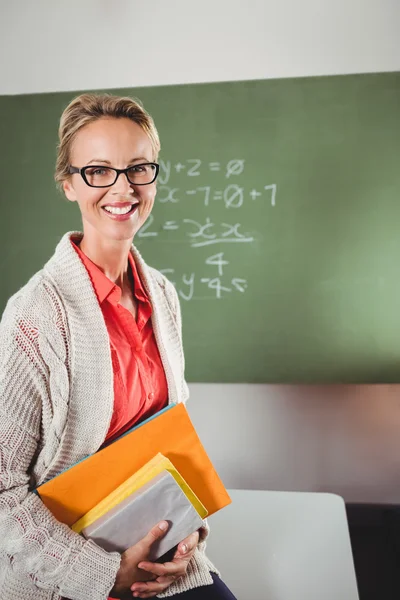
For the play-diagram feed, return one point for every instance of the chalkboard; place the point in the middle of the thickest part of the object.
(277, 218)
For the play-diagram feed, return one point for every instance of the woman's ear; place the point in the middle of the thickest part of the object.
(69, 190)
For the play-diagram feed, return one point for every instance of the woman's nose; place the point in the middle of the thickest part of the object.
(122, 185)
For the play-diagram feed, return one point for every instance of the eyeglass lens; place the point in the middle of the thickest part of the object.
(99, 176)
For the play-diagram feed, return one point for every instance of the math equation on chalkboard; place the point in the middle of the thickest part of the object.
(177, 182)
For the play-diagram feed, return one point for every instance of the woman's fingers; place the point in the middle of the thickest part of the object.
(166, 572)
(188, 544)
(151, 587)
(161, 569)
(155, 533)
(182, 556)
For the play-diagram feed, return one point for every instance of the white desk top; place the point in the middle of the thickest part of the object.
(283, 546)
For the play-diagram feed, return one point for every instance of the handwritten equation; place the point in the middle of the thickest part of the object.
(194, 167)
(178, 186)
(219, 285)
(198, 233)
(233, 195)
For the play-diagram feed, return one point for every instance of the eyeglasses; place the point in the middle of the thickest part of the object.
(100, 176)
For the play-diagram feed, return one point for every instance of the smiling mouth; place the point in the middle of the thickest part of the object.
(120, 210)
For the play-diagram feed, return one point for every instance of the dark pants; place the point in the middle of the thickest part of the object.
(216, 591)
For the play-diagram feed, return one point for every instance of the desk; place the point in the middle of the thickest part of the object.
(284, 546)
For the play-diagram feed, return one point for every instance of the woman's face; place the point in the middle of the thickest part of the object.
(118, 143)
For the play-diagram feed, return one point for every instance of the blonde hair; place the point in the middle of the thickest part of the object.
(87, 108)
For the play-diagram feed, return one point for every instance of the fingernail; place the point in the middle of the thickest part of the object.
(184, 548)
(163, 525)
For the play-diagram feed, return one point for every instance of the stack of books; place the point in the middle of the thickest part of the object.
(158, 470)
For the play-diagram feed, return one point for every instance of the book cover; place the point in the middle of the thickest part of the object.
(152, 468)
(128, 522)
(77, 490)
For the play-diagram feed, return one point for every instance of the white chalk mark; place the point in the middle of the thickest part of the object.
(215, 284)
(179, 167)
(272, 187)
(191, 192)
(233, 196)
(234, 167)
(202, 229)
(232, 230)
(193, 171)
(190, 282)
(165, 172)
(170, 194)
(254, 194)
(143, 232)
(214, 166)
(239, 284)
(217, 260)
(220, 241)
(205, 189)
(170, 225)
(167, 271)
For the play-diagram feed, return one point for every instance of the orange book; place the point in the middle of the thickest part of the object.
(77, 490)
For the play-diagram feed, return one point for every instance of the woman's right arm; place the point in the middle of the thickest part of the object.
(35, 544)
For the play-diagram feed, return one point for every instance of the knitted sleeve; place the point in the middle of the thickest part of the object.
(37, 546)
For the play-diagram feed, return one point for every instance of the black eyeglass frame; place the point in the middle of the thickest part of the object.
(82, 171)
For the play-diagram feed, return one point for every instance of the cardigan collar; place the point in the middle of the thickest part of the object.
(91, 364)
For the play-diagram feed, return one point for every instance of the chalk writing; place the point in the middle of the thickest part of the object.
(272, 187)
(193, 167)
(167, 194)
(165, 172)
(232, 195)
(234, 167)
(186, 284)
(218, 261)
(189, 220)
(193, 171)
(144, 231)
(189, 282)
(254, 194)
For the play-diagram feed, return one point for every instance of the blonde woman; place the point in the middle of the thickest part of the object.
(88, 347)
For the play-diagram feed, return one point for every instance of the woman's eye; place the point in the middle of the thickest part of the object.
(97, 172)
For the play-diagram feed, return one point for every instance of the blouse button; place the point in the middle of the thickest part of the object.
(151, 396)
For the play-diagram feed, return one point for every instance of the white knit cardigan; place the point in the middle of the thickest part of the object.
(56, 403)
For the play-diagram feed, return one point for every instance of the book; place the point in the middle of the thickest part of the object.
(75, 491)
(160, 498)
(156, 465)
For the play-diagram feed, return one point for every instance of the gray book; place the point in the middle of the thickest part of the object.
(160, 499)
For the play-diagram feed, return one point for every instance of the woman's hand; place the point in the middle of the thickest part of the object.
(167, 572)
(129, 572)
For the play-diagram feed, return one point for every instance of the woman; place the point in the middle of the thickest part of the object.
(91, 345)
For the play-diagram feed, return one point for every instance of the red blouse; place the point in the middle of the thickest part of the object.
(140, 386)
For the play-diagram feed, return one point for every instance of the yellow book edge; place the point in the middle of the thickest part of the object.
(152, 468)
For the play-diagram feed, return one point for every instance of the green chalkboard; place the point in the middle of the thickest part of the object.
(277, 218)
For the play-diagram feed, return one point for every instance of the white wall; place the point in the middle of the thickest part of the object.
(80, 44)
(340, 439)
